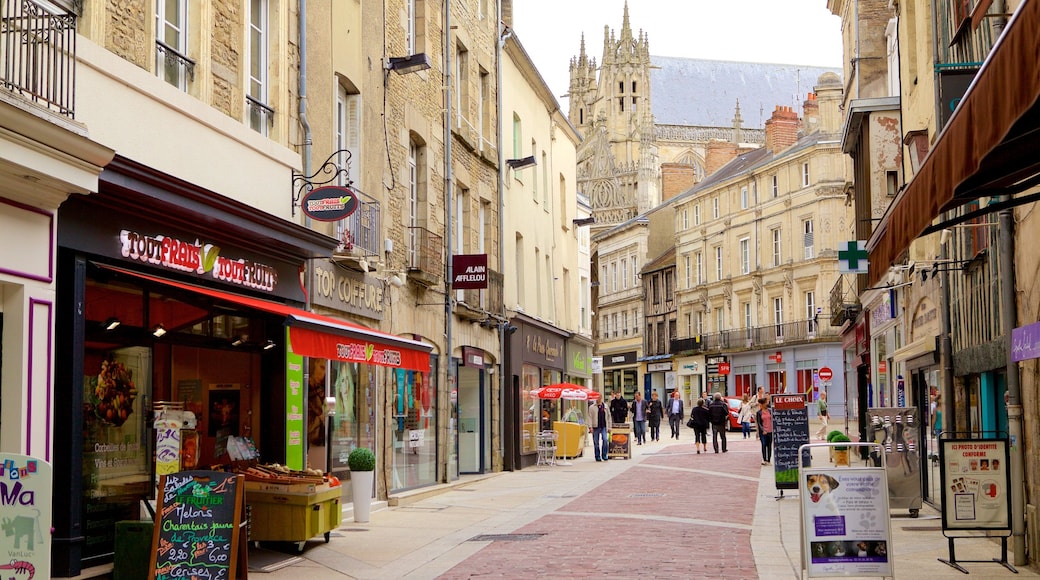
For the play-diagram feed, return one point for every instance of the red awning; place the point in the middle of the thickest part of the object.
(987, 148)
(318, 336)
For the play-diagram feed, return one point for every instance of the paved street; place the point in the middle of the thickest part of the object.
(667, 512)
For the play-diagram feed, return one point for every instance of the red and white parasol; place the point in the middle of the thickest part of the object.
(567, 391)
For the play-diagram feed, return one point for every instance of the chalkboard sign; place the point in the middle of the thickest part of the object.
(197, 526)
(790, 431)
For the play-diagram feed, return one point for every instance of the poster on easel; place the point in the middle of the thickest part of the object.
(845, 521)
(975, 484)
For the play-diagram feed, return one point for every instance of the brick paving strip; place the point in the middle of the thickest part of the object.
(670, 514)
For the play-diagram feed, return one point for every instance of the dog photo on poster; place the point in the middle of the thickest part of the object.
(845, 518)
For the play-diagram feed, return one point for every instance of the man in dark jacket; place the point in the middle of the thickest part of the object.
(618, 408)
(654, 413)
(718, 410)
(598, 427)
(674, 408)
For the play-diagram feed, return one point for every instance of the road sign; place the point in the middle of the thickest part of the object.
(826, 374)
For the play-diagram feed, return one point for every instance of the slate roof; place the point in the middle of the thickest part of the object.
(704, 93)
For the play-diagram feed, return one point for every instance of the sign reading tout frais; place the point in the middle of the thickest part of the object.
(306, 342)
(330, 203)
(197, 258)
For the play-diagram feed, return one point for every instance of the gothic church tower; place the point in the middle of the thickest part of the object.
(618, 165)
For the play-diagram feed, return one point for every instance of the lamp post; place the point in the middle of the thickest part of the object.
(949, 408)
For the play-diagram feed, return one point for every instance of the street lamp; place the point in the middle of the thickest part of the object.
(521, 163)
(403, 65)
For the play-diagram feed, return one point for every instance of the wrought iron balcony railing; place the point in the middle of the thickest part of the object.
(358, 234)
(38, 54)
(425, 255)
(787, 333)
(492, 298)
(845, 303)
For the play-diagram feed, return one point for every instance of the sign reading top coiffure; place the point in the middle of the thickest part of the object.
(469, 272)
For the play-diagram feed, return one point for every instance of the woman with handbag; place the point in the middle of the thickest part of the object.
(699, 419)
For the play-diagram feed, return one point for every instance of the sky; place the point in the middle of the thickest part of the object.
(769, 31)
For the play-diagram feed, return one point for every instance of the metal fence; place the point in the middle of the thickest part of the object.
(38, 54)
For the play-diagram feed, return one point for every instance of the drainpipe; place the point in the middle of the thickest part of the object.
(448, 204)
(1006, 260)
(949, 407)
(504, 380)
(302, 12)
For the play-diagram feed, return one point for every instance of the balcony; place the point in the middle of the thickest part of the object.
(844, 301)
(425, 256)
(761, 337)
(358, 234)
(38, 55)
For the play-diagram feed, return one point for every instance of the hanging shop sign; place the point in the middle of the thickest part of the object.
(469, 272)
(196, 257)
(330, 203)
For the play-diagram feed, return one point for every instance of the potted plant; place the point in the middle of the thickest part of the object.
(841, 452)
(830, 437)
(362, 464)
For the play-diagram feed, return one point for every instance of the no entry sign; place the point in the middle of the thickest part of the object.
(826, 374)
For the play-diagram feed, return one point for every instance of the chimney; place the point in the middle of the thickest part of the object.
(781, 129)
(718, 153)
(810, 115)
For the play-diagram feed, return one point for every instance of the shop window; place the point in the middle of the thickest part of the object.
(414, 438)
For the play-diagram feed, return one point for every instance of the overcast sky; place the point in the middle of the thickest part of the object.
(770, 31)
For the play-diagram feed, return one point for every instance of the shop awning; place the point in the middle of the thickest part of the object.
(988, 147)
(317, 336)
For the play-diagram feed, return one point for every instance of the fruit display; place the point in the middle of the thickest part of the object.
(114, 393)
(275, 473)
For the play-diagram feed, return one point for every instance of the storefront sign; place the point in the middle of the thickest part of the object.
(620, 359)
(25, 502)
(882, 312)
(346, 290)
(658, 367)
(579, 359)
(542, 348)
(197, 258)
(295, 397)
(472, 357)
(469, 272)
(925, 321)
(329, 204)
(1025, 342)
(975, 484)
(777, 357)
(724, 368)
(317, 344)
(846, 522)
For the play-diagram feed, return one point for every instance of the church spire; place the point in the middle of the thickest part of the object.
(626, 28)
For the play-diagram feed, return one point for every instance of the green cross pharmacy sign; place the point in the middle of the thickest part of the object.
(852, 257)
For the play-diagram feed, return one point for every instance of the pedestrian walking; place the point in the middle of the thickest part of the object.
(655, 411)
(618, 408)
(821, 407)
(598, 427)
(675, 413)
(747, 414)
(699, 420)
(719, 415)
(639, 411)
(764, 421)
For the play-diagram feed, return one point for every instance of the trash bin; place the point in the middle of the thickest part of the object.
(133, 548)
